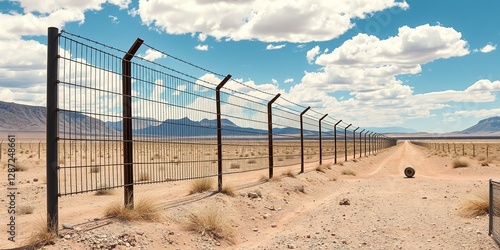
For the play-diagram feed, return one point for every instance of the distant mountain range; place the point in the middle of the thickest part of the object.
(485, 126)
(19, 117)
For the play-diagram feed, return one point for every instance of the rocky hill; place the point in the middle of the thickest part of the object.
(485, 126)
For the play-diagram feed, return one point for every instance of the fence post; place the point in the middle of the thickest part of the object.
(128, 161)
(270, 134)
(491, 209)
(370, 139)
(360, 146)
(320, 141)
(39, 145)
(302, 140)
(354, 142)
(487, 153)
(219, 132)
(51, 130)
(345, 141)
(365, 140)
(473, 150)
(335, 140)
(1, 142)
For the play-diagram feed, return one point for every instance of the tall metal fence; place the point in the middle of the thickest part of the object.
(116, 119)
(482, 150)
(494, 211)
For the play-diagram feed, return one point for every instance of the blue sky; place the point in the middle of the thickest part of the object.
(429, 65)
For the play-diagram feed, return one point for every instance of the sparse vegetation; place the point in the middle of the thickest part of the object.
(25, 209)
(201, 185)
(21, 167)
(145, 208)
(95, 169)
(228, 190)
(476, 205)
(300, 188)
(234, 165)
(348, 172)
(460, 163)
(290, 173)
(211, 222)
(40, 236)
(321, 168)
(104, 190)
(251, 161)
(276, 178)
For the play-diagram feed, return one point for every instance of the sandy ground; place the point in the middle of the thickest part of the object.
(385, 211)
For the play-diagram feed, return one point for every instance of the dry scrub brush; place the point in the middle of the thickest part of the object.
(322, 168)
(211, 222)
(289, 172)
(145, 208)
(40, 236)
(460, 163)
(348, 172)
(476, 205)
(228, 190)
(201, 185)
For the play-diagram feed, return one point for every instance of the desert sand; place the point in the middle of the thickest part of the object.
(380, 208)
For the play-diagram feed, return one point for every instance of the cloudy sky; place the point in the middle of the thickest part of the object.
(432, 66)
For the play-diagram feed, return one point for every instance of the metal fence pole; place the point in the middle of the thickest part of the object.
(270, 134)
(354, 142)
(320, 142)
(219, 132)
(365, 140)
(370, 138)
(51, 130)
(302, 140)
(335, 140)
(360, 146)
(345, 141)
(1, 142)
(491, 209)
(128, 161)
(39, 146)
(473, 150)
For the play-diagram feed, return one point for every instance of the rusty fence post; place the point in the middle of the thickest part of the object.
(345, 142)
(302, 140)
(321, 141)
(128, 161)
(335, 140)
(219, 132)
(270, 134)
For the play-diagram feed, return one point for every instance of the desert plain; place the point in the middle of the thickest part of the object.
(362, 203)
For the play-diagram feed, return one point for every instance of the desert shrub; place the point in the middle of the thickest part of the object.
(40, 236)
(290, 173)
(348, 172)
(321, 168)
(95, 169)
(251, 161)
(25, 209)
(201, 185)
(460, 163)
(145, 208)
(228, 190)
(234, 165)
(212, 222)
(276, 178)
(476, 205)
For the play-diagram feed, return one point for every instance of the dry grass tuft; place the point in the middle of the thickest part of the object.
(460, 163)
(40, 236)
(477, 205)
(321, 168)
(104, 190)
(251, 161)
(201, 185)
(143, 177)
(228, 190)
(21, 167)
(289, 172)
(348, 172)
(300, 188)
(211, 222)
(276, 178)
(94, 170)
(234, 165)
(25, 209)
(145, 208)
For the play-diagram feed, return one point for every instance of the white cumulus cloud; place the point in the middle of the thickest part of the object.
(152, 55)
(201, 47)
(273, 47)
(312, 53)
(488, 48)
(267, 21)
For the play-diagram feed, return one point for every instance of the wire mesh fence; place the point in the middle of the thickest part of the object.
(494, 211)
(117, 119)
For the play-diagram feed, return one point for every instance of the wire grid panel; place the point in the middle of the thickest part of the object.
(310, 126)
(89, 87)
(327, 142)
(495, 213)
(286, 135)
(244, 129)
